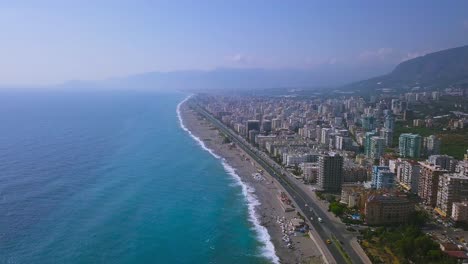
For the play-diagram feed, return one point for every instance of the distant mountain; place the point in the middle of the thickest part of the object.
(233, 79)
(239, 79)
(434, 70)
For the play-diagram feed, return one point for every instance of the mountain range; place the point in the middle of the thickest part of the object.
(434, 70)
(439, 69)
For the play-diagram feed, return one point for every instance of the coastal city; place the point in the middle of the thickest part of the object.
(234, 132)
(382, 179)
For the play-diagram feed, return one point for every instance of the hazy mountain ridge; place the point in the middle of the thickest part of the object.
(438, 70)
(233, 79)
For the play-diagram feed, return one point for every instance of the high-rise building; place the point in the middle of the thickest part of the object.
(324, 138)
(252, 134)
(382, 177)
(276, 123)
(330, 172)
(429, 183)
(431, 145)
(253, 128)
(452, 188)
(368, 122)
(410, 145)
(377, 145)
(266, 126)
(445, 162)
(396, 106)
(387, 134)
(253, 125)
(389, 122)
(367, 142)
(409, 172)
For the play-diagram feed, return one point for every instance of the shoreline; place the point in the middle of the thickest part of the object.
(265, 210)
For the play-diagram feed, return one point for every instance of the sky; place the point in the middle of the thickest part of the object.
(48, 42)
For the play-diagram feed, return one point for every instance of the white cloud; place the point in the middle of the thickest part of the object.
(380, 54)
(389, 55)
(239, 58)
(412, 55)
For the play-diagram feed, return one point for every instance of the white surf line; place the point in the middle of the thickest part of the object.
(268, 249)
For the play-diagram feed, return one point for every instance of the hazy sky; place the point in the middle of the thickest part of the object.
(53, 41)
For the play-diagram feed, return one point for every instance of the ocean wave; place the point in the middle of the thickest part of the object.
(268, 249)
(199, 141)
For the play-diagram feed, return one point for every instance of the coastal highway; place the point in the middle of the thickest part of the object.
(341, 249)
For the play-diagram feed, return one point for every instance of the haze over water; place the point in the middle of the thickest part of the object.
(111, 177)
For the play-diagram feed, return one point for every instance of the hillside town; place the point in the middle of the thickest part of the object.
(376, 162)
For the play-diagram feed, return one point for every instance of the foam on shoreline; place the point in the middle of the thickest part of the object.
(268, 249)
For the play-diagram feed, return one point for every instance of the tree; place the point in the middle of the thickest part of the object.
(336, 208)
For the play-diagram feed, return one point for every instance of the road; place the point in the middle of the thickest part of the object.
(342, 250)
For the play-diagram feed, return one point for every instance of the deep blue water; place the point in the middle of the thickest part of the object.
(110, 177)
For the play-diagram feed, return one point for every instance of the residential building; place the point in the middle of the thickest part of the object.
(324, 138)
(367, 142)
(276, 123)
(310, 171)
(368, 123)
(354, 173)
(389, 122)
(410, 145)
(252, 134)
(431, 145)
(445, 162)
(253, 125)
(343, 142)
(409, 172)
(330, 172)
(387, 134)
(460, 212)
(452, 188)
(429, 183)
(387, 210)
(266, 126)
(377, 145)
(382, 177)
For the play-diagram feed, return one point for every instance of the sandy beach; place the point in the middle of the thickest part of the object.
(270, 212)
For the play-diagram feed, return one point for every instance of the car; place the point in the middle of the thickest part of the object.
(328, 241)
(320, 220)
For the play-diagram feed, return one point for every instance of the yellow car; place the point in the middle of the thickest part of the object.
(328, 241)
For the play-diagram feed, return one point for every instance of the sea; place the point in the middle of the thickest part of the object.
(115, 177)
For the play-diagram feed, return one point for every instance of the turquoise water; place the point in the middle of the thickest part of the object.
(111, 177)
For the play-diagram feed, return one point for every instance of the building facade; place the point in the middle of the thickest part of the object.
(429, 183)
(410, 145)
(452, 188)
(382, 178)
(330, 174)
(460, 212)
(387, 210)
